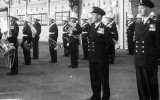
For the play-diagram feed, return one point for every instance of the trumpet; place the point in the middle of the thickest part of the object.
(55, 43)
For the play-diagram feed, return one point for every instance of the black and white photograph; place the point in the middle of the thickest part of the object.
(79, 49)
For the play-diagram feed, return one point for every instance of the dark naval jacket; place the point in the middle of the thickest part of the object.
(72, 38)
(13, 33)
(85, 30)
(146, 43)
(53, 31)
(38, 28)
(99, 42)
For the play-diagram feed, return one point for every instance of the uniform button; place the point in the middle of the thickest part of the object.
(136, 51)
(136, 46)
(88, 42)
(142, 46)
(92, 42)
(142, 41)
(93, 50)
(93, 46)
(136, 41)
(142, 51)
(88, 49)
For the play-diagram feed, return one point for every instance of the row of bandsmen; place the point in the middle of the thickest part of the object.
(27, 37)
(70, 39)
(86, 26)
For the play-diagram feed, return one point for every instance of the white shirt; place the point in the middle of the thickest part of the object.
(96, 24)
(145, 19)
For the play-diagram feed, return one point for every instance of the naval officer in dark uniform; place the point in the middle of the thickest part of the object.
(146, 52)
(13, 34)
(27, 37)
(74, 39)
(130, 34)
(35, 38)
(53, 35)
(99, 39)
(114, 34)
(85, 33)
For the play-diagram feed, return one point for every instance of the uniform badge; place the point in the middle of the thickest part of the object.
(11, 27)
(100, 30)
(152, 27)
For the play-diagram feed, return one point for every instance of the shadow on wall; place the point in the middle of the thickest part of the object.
(156, 9)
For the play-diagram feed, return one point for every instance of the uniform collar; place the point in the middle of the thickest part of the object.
(96, 24)
(144, 20)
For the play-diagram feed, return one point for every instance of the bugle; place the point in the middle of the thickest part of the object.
(55, 43)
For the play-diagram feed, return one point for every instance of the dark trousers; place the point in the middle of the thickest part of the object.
(130, 44)
(111, 53)
(66, 48)
(53, 52)
(99, 75)
(147, 82)
(14, 68)
(85, 48)
(27, 56)
(35, 47)
(73, 48)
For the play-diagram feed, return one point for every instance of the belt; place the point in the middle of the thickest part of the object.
(65, 32)
(51, 32)
(25, 35)
(84, 32)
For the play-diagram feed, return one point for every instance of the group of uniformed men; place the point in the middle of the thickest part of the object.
(98, 42)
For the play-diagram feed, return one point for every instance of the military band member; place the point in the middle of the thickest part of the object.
(27, 37)
(65, 37)
(112, 25)
(35, 38)
(99, 39)
(85, 33)
(53, 35)
(130, 34)
(74, 40)
(13, 34)
(146, 52)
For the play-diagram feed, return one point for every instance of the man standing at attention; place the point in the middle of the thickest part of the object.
(99, 39)
(146, 52)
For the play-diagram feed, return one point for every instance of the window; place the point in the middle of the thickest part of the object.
(59, 17)
(19, 1)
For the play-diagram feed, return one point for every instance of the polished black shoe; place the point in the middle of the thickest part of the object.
(53, 61)
(74, 66)
(88, 99)
(11, 73)
(70, 66)
(26, 64)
